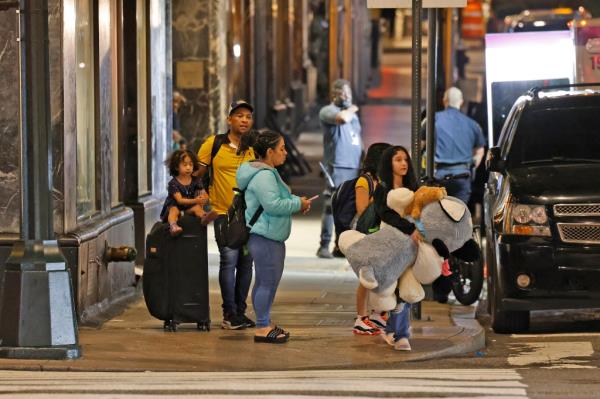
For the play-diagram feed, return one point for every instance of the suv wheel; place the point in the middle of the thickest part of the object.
(505, 322)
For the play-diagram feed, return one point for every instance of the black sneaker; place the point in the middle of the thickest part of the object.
(233, 323)
(247, 322)
(323, 252)
(337, 253)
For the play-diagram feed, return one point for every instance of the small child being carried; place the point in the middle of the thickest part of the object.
(186, 193)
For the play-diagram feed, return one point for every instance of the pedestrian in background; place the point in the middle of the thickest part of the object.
(235, 266)
(265, 188)
(342, 150)
(459, 148)
(178, 101)
(459, 145)
(395, 171)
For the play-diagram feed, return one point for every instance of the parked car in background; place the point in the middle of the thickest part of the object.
(542, 207)
(545, 20)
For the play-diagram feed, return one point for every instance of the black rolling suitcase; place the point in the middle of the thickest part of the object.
(176, 275)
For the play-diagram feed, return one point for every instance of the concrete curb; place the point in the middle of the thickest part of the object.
(471, 338)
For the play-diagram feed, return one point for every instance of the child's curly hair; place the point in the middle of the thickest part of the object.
(177, 157)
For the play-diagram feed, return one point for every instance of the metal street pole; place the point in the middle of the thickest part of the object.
(37, 319)
(432, 65)
(417, 8)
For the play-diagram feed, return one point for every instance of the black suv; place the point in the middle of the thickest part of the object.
(542, 207)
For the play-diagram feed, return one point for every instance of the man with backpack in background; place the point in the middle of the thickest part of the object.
(220, 157)
(342, 150)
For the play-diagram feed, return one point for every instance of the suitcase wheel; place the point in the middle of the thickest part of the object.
(170, 326)
(204, 326)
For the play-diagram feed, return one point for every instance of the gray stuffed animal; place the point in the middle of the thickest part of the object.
(381, 258)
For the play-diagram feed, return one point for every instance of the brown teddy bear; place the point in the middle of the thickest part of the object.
(423, 196)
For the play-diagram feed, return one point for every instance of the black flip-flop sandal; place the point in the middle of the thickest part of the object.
(273, 337)
(282, 331)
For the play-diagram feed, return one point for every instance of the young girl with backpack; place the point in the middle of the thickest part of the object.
(185, 192)
(395, 171)
(365, 325)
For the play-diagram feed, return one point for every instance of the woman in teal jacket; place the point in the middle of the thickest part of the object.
(264, 187)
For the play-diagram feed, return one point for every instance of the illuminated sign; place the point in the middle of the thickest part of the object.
(517, 61)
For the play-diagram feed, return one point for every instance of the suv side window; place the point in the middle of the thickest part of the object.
(508, 131)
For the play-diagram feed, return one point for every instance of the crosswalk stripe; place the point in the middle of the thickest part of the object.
(552, 354)
(323, 383)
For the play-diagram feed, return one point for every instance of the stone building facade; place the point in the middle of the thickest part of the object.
(113, 67)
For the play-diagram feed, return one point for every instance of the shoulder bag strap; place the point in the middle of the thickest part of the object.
(260, 209)
(370, 183)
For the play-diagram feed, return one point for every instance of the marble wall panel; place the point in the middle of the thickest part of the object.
(219, 16)
(199, 31)
(190, 34)
(10, 199)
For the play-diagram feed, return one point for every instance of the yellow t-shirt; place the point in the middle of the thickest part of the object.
(363, 182)
(225, 165)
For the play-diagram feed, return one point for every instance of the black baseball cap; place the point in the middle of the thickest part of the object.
(240, 104)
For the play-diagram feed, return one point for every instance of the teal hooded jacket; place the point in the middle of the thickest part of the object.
(263, 186)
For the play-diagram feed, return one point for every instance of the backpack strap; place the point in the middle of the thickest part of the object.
(256, 215)
(220, 139)
(260, 208)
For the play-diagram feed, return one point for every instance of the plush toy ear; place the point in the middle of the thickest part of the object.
(468, 252)
(441, 248)
(349, 238)
(399, 199)
(454, 210)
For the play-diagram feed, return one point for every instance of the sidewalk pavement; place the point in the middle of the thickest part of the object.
(315, 302)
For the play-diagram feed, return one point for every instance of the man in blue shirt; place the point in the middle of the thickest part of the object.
(459, 145)
(342, 149)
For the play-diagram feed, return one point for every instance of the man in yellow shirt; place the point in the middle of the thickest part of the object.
(235, 267)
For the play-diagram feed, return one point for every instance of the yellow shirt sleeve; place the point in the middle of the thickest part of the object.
(205, 150)
(362, 182)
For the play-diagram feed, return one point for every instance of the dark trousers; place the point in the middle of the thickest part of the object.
(459, 188)
(235, 276)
